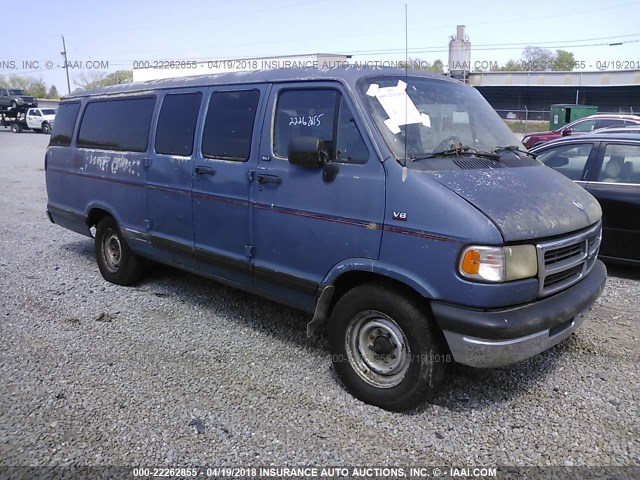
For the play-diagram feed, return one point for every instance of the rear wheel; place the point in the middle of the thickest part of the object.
(16, 127)
(117, 263)
(385, 347)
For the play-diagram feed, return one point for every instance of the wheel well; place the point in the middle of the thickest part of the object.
(349, 280)
(95, 215)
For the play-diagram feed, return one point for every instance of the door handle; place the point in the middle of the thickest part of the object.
(269, 179)
(205, 171)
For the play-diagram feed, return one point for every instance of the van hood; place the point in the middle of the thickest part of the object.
(526, 202)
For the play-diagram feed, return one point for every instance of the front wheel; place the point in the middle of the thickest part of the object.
(117, 263)
(385, 348)
(46, 128)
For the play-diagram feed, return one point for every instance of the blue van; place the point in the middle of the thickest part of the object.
(396, 206)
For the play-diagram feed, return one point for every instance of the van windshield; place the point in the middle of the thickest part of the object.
(419, 117)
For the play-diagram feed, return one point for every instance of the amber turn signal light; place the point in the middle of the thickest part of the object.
(471, 262)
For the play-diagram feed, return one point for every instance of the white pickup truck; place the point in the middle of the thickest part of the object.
(37, 119)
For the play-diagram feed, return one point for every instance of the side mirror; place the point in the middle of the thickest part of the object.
(566, 131)
(557, 162)
(307, 152)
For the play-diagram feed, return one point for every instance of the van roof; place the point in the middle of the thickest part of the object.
(348, 75)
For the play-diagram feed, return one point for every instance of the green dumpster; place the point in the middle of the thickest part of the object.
(563, 113)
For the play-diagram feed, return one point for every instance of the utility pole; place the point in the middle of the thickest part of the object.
(66, 65)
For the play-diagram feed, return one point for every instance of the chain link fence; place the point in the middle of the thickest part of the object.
(527, 121)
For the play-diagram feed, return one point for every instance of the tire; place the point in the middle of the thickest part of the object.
(46, 128)
(117, 263)
(15, 128)
(404, 361)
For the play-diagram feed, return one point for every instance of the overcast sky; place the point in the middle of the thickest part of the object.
(122, 31)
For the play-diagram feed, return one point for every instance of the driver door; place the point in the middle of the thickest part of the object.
(304, 224)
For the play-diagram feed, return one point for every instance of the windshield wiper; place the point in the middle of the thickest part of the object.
(513, 148)
(458, 151)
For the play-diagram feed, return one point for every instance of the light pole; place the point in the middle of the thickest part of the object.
(66, 65)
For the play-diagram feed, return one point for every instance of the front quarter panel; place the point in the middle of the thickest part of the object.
(425, 228)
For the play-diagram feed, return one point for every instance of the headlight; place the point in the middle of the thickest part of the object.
(19, 100)
(498, 264)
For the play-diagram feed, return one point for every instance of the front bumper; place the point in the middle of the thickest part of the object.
(494, 338)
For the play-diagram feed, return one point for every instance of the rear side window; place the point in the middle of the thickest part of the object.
(228, 127)
(177, 123)
(621, 164)
(121, 125)
(63, 124)
(605, 123)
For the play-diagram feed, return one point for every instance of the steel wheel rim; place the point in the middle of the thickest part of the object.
(377, 349)
(112, 251)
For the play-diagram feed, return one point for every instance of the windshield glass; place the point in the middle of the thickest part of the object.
(421, 116)
(48, 111)
(16, 92)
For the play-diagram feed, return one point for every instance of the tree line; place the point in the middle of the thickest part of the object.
(39, 89)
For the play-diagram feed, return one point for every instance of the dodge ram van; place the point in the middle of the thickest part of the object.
(395, 206)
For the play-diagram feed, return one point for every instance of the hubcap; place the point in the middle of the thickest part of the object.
(112, 251)
(377, 349)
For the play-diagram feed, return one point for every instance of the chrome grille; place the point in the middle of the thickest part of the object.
(563, 262)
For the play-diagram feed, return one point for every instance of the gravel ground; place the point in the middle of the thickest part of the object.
(181, 370)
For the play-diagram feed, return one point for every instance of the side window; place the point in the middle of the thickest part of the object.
(621, 164)
(569, 160)
(121, 125)
(63, 124)
(350, 147)
(609, 123)
(177, 123)
(37, 113)
(586, 126)
(228, 128)
(305, 113)
(3, 93)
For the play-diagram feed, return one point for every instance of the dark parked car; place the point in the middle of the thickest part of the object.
(608, 166)
(581, 126)
(14, 97)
